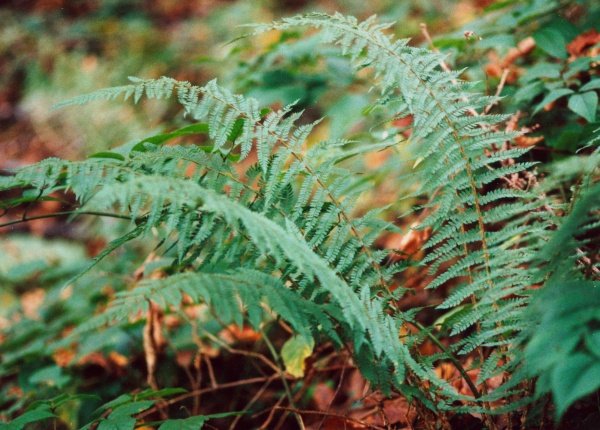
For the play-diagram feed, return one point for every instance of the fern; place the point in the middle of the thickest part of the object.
(284, 236)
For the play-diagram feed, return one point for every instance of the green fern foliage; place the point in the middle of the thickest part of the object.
(282, 237)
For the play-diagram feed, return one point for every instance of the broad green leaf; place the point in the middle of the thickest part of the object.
(120, 418)
(238, 127)
(585, 105)
(345, 113)
(26, 418)
(159, 139)
(592, 341)
(552, 42)
(294, 352)
(552, 96)
(594, 84)
(193, 423)
(448, 316)
(165, 392)
(543, 70)
(132, 408)
(578, 65)
(528, 92)
(107, 154)
(119, 422)
(574, 377)
(51, 376)
(500, 5)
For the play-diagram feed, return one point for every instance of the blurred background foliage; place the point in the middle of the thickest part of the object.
(53, 50)
(543, 54)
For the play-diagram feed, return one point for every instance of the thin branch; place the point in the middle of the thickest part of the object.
(329, 414)
(337, 390)
(505, 73)
(239, 383)
(59, 214)
(451, 357)
(253, 400)
(288, 391)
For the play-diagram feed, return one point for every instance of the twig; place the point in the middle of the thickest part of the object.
(251, 402)
(57, 214)
(211, 373)
(209, 390)
(498, 91)
(271, 413)
(337, 390)
(451, 357)
(443, 64)
(329, 414)
(231, 350)
(282, 375)
(425, 33)
(586, 261)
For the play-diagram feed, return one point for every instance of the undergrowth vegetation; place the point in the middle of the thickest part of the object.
(257, 228)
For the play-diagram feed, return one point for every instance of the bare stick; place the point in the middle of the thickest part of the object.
(329, 414)
(498, 90)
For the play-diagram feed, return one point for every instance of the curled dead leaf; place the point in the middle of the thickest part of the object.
(172, 321)
(582, 43)
(404, 124)
(234, 334)
(495, 68)
(445, 371)
(63, 356)
(185, 357)
(31, 301)
(526, 141)
(209, 351)
(15, 391)
(154, 341)
(409, 244)
(117, 359)
(323, 396)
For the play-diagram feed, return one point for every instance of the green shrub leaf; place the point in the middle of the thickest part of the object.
(585, 105)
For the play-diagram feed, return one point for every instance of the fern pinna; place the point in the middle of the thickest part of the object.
(284, 234)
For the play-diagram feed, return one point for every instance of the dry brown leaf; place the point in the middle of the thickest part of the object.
(233, 334)
(397, 412)
(209, 351)
(523, 141)
(323, 396)
(526, 141)
(375, 159)
(96, 359)
(580, 45)
(495, 68)
(407, 244)
(445, 371)
(404, 124)
(153, 338)
(196, 311)
(355, 386)
(117, 359)
(63, 356)
(172, 321)
(524, 47)
(31, 301)
(185, 357)
(16, 391)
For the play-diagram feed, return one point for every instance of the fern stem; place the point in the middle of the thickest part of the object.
(288, 391)
(58, 214)
(450, 356)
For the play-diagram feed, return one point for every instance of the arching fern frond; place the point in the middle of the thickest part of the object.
(459, 166)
